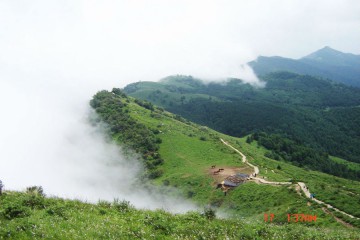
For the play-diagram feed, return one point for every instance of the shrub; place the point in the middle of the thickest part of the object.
(191, 194)
(145, 104)
(104, 204)
(156, 131)
(122, 206)
(155, 173)
(118, 92)
(209, 213)
(15, 210)
(204, 129)
(57, 211)
(179, 118)
(35, 190)
(34, 201)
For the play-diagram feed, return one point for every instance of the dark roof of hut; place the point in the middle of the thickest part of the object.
(235, 180)
(242, 175)
(230, 183)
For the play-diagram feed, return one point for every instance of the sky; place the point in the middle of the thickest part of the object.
(55, 55)
(106, 43)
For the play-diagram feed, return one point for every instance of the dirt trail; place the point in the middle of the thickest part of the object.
(337, 219)
(256, 169)
(263, 181)
(302, 185)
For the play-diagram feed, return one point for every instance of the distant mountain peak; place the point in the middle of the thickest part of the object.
(325, 62)
(324, 53)
(330, 57)
(327, 48)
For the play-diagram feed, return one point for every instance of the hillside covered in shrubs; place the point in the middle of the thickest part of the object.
(31, 215)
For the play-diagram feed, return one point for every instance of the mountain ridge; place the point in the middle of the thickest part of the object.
(189, 150)
(326, 62)
(301, 106)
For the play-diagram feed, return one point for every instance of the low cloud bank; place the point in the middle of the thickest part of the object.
(47, 140)
(56, 55)
(241, 71)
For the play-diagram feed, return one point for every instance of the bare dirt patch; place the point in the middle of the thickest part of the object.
(228, 171)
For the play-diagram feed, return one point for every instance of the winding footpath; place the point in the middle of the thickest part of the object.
(302, 185)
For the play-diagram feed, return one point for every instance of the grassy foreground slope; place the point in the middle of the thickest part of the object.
(189, 150)
(32, 216)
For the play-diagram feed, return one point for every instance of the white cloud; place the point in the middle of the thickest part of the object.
(123, 41)
(47, 141)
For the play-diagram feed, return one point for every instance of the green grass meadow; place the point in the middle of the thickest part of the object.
(190, 149)
(27, 216)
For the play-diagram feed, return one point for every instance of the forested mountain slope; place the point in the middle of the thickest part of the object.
(326, 62)
(316, 112)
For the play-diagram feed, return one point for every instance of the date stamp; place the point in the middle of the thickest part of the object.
(297, 217)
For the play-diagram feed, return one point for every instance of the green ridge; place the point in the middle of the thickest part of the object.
(188, 151)
(318, 113)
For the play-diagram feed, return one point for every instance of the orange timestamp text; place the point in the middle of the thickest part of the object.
(297, 217)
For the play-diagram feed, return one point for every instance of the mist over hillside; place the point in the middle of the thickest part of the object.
(48, 140)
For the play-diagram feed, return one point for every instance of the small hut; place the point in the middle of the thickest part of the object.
(235, 180)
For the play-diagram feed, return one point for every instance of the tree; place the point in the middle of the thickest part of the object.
(118, 91)
(182, 99)
(36, 191)
(209, 213)
(1, 187)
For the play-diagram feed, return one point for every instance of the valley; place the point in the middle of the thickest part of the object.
(319, 115)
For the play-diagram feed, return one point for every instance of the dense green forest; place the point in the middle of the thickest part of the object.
(313, 111)
(134, 135)
(300, 155)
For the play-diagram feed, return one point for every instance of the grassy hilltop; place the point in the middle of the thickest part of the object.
(181, 153)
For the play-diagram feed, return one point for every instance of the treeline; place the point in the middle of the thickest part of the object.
(112, 109)
(336, 131)
(297, 153)
(319, 112)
